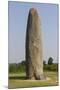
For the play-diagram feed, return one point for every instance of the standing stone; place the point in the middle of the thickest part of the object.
(34, 62)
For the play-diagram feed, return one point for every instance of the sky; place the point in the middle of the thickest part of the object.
(17, 24)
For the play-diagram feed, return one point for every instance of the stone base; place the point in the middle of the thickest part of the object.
(41, 77)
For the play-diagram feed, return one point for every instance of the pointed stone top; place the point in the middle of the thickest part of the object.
(33, 10)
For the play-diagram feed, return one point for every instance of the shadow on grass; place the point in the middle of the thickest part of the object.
(17, 77)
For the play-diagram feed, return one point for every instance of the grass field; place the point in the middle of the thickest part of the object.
(19, 81)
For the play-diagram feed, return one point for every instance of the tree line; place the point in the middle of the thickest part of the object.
(21, 67)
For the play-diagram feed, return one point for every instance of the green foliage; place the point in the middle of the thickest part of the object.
(23, 63)
(52, 67)
(16, 68)
(12, 68)
(20, 67)
(50, 61)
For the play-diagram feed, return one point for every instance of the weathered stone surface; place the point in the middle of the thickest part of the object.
(34, 54)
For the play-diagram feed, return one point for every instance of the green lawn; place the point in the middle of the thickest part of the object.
(19, 81)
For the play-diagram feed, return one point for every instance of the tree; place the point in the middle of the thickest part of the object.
(23, 63)
(44, 62)
(50, 61)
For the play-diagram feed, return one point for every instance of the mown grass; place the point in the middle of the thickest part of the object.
(19, 81)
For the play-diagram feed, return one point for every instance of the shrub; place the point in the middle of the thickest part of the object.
(16, 68)
(53, 67)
